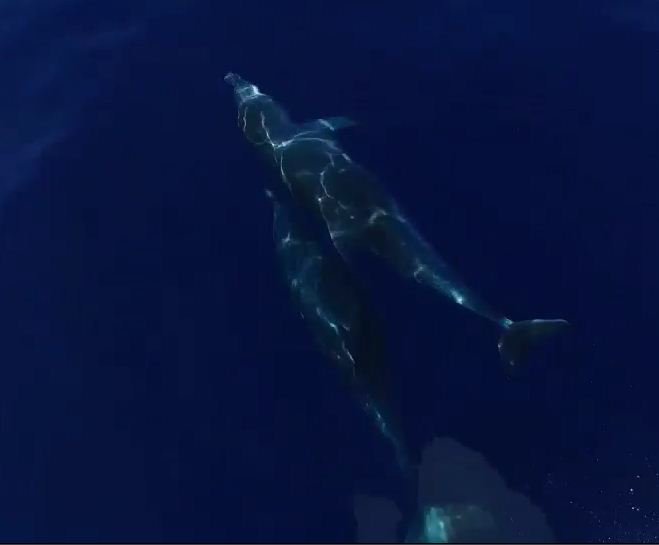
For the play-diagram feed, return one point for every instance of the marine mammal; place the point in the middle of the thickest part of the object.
(359, 213)
(337, 312)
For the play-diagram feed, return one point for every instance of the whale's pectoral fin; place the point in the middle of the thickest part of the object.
(331, 124)
(519, 338)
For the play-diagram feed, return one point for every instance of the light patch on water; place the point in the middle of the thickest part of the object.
(56, 60)
(436, 526)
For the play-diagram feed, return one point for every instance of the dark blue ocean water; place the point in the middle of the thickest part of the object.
(155, 382)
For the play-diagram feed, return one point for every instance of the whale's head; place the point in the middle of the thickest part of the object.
(243, 90)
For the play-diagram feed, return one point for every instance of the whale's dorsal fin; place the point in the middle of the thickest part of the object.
(331, 124)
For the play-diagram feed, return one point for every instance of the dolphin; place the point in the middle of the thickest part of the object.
(344, 325)
(359, 213)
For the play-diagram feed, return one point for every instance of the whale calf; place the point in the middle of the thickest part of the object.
(359, 213)
(335, 309)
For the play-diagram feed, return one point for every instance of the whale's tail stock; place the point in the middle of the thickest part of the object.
(520, 338)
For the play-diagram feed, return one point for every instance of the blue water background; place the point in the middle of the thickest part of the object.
(155, 383)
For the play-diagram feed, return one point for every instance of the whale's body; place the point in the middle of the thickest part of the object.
(337, 312)
(358, 212)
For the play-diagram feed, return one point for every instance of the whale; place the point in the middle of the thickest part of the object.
(359, 214)
(338, 313)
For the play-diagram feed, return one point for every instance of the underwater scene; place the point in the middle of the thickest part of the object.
(329, 271)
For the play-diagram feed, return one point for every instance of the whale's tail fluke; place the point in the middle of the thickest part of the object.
(519, 338)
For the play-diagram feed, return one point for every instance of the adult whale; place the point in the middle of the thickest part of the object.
(337, 312)
(358, 211)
